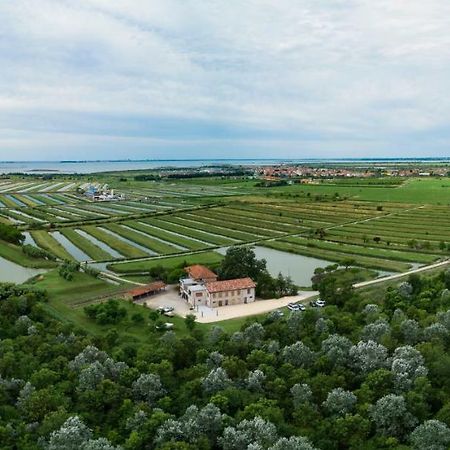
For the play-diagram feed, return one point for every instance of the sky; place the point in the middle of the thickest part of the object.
(157, 79)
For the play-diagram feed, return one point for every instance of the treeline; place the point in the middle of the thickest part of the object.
(364, 375)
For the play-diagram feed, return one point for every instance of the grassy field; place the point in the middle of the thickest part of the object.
(15, 254)
(50, 244)
(85, 245)
(67, 299)
(385, 223)
(210, 259)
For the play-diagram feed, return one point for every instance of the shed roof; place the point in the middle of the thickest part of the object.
(142, 290)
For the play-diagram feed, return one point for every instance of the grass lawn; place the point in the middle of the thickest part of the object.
(210, 259)
(66, 304)
(49, 243)
(15, 254)
(85, 245)
(115, 243)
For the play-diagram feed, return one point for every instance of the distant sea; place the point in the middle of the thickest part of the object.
(82, 167)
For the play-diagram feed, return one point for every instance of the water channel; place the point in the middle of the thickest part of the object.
(13, 273)
(300, 268)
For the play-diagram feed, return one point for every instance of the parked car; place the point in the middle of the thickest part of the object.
(317, 303)
(296, 307)
(278, 313)
(165, 326)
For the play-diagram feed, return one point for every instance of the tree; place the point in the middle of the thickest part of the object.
(391, 415)
(301, 394)
(256, 431)
(71, 436)
(339, 402)
(207, 422)
(376, 331)
(336, 348)
(189, 321)
(254, 333)
(216, 380)
(368, 356)
(435, 331)
(10, 233)
(348, 262)
(148, 387)
(405, 290)
(407, 365)
(410, 330)
(298, 354)
(255, 380)
(293, 443)
(241, 262)
(431, 435)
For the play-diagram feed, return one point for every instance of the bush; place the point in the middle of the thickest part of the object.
(11, 234)
(107, 313)
(67, 269)
(35, 252)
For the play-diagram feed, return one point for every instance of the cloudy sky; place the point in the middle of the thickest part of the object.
(91, 79)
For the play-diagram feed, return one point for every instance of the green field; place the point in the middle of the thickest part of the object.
(384, 223)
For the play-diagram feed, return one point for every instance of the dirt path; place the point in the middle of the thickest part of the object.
(401, 275)
(209, 315)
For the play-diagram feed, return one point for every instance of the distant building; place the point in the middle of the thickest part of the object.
(202, 288)
(102, 195)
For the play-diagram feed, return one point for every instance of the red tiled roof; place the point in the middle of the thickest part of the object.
(230, 285)
(199, 272)
(152, 287)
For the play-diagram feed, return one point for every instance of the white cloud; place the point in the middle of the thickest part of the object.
(253, 74)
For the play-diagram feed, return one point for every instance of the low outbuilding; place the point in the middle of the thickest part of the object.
(146, 291)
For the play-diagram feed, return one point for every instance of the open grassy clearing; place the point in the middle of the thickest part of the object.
(362, 250)
(145, 241)
(47, 242)
(172, 223)
(210, 259)
(92, 250)
(185, 242)
(127, 250)
(15, 254)
(220, 229)
(416, 190)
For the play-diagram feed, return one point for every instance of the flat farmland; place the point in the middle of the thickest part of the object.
(387, 224)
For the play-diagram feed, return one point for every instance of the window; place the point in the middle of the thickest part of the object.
(248, 291)
(198, 294)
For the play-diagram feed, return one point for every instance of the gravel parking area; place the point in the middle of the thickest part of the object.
(204, 314)
(169, 297)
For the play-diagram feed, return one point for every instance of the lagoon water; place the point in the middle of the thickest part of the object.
(13, 273)
(110, 166)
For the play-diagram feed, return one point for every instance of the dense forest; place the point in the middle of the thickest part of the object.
(358, 374)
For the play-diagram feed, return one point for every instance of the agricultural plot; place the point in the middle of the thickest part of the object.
(157, 220)
(13, 186)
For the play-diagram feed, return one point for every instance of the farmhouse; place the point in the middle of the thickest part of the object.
(202, 288)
